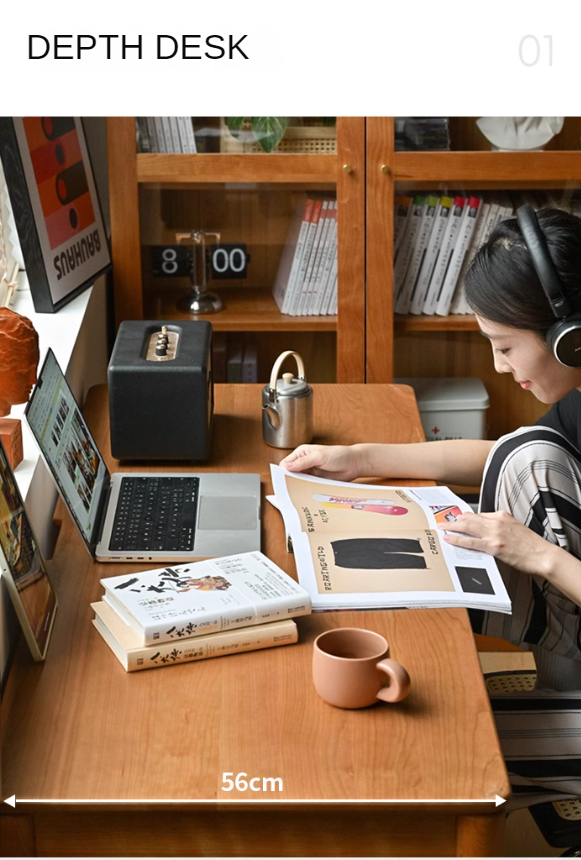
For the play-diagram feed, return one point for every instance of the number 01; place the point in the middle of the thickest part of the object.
(530, 50)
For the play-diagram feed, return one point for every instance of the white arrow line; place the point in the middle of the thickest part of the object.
(12, 801)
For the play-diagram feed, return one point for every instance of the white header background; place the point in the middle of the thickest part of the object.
(306, 57)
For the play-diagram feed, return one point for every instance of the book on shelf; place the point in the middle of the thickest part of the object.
(445, 256)
(160, 135)
(175, 603)
(314, 256)
(431, 256)
(250, 362)
(291, 257)
(451, 281)
(322, 248)
(328, 267)
(402, 211)
(412, 275)
(134, 656)
(144, 143)
(413, 228)
(459, 303)
(187, 137)
(176, 145)
(306, 256)
(364, 546)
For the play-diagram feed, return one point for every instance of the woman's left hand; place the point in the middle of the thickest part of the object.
(500, 535)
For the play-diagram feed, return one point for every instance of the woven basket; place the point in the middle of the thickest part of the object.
(298, 139)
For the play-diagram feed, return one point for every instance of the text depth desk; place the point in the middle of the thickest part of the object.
(80, 727)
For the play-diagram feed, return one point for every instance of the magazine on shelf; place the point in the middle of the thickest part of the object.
(316, 272)
(363, 546)
(291, 257)
(306, 258)
(326, 263)
(329, 271)
(314, 256)
(459, 303)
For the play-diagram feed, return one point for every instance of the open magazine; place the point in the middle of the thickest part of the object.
(363, 546)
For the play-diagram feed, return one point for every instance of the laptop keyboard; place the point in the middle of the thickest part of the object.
(155, 514)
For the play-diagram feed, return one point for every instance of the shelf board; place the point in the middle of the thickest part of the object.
(426, 322)
(245, 309)
(489, 169)
(281, 168)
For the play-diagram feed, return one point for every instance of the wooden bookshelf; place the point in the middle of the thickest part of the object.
(250, 308)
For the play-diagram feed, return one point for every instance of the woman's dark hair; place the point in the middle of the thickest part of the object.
(501, 284)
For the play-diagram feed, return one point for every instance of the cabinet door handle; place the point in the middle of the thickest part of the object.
(385, 169)
(347, 168)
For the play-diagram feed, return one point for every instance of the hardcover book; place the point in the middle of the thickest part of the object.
(176, 603)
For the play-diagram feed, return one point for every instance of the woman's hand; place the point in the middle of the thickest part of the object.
(339, 462)
(500, 535)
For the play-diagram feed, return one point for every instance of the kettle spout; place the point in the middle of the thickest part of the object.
(273, 416)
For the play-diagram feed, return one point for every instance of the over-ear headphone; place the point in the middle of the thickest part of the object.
(564, 337)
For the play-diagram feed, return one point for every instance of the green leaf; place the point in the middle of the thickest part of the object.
(268, 130)
(234, 124)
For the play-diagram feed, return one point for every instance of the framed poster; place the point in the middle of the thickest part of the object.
(55, 204)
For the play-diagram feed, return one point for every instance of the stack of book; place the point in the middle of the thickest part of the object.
(306, 280)
(165, 134)
(195, 611)
(436, 237)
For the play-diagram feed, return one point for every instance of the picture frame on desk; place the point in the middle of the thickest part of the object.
(56, 206)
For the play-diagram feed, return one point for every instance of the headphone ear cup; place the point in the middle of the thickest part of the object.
(564, 341)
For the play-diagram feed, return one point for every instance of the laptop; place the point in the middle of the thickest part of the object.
(138, 516)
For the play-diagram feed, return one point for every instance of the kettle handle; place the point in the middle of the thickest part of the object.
(278, 364)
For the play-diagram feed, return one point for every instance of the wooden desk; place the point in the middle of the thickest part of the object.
(79, 727)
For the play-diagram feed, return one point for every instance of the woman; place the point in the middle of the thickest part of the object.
(530, 508)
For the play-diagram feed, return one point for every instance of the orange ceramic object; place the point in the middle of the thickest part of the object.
(19, 357)
(351, 666)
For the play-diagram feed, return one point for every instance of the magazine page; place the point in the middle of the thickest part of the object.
(367, 546)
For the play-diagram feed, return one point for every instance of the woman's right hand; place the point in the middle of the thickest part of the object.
(339, 462)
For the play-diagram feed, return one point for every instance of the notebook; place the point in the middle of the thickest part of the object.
(138, 516)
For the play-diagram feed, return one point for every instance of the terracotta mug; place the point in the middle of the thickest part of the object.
(351, 666)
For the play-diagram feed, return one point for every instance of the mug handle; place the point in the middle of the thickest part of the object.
(399, 685)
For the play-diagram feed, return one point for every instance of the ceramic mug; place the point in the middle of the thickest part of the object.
(351, 666)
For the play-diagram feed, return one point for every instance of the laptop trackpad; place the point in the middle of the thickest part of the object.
(228, 513)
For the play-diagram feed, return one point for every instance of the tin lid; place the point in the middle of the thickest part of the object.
(291, 386)
(448, 393)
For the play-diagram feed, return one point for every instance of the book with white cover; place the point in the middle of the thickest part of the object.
(329, 270)
(431, 255)
(169, 144)
(459, 303)
(304, 262)
(175, 134)
(315, 275)
(419, 251)
(332, 306)
(187, 137)
(326, 261)
(291, 255)
(445, 256)
(173, 603)
(317, 218)
(469, 220)
(134, 656)
(413, 227)
(160, 134)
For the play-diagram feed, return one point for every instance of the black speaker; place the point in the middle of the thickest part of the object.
(564, 337)
(161, 394)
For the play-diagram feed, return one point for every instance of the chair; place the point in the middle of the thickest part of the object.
(559, 820)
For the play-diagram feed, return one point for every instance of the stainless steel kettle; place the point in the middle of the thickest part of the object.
(287, 406)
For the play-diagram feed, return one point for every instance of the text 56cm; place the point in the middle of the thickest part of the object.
(241, 782)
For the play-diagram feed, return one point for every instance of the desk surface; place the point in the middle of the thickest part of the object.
(79, 726)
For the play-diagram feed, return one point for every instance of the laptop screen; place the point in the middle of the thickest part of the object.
(68, 448)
